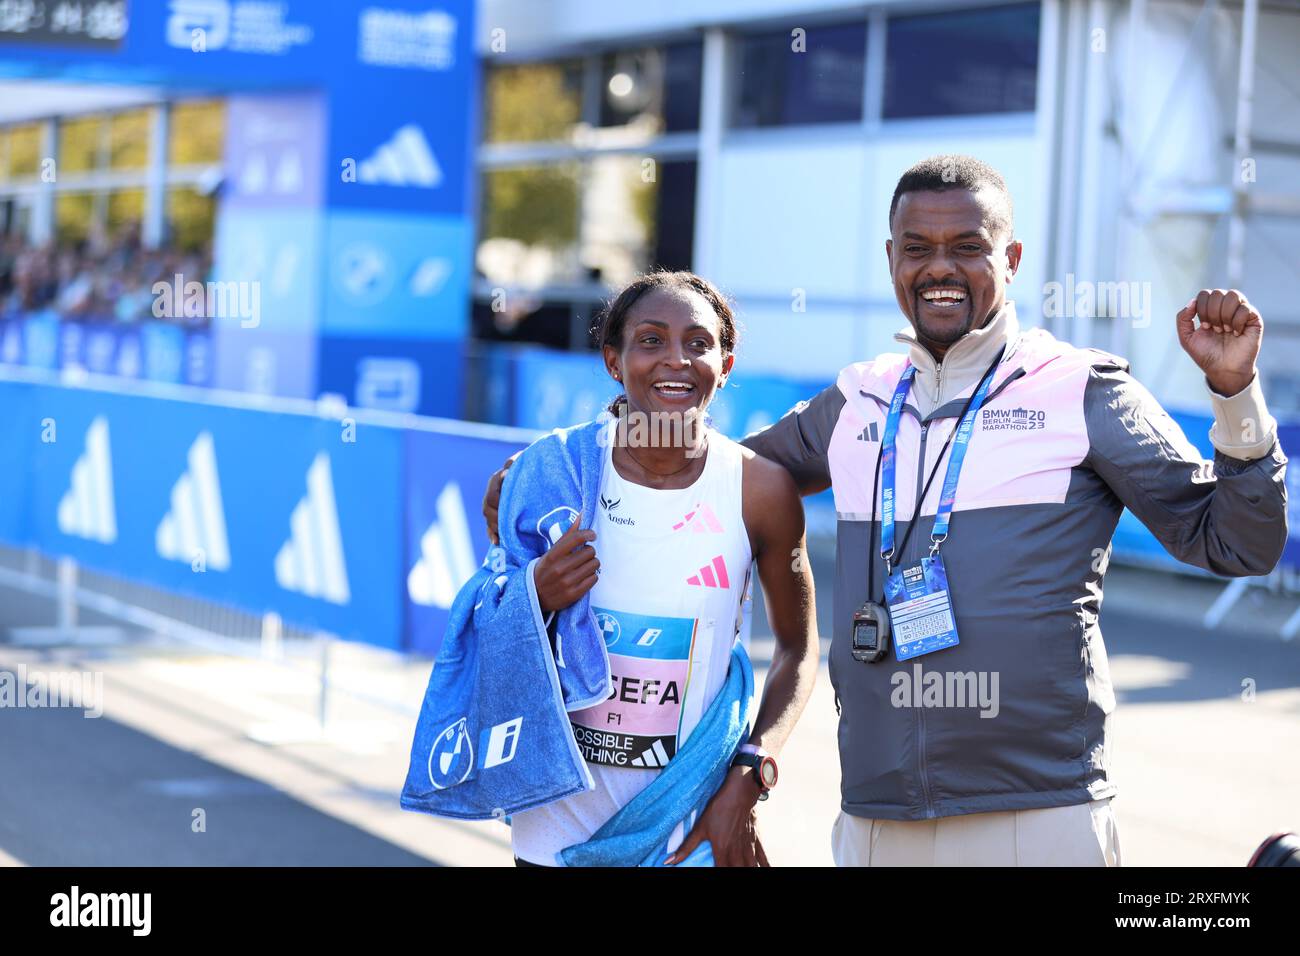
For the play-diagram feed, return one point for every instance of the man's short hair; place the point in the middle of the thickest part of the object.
(942, 173)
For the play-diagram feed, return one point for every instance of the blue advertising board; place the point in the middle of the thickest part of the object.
(445, 536)
(346, 193)
(1288, 436)
(238, 506)
(153, 351)
(361, 529)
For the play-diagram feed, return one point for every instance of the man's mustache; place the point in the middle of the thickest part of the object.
(942, 285)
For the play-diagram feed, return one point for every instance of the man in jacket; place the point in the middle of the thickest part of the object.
(979, 734)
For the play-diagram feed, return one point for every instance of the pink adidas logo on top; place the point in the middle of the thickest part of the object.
(702, 521)
(707, 578)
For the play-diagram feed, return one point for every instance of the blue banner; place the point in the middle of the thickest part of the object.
(154, 351)
(445, 537)
(558, 389)
(346, 199)
(258, 510)
(362, 530)
(1288, 437)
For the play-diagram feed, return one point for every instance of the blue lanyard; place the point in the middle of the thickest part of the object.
(889, 457)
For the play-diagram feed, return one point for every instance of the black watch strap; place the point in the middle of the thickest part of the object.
(755, 763)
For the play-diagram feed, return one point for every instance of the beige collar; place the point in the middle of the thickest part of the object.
(963, 363)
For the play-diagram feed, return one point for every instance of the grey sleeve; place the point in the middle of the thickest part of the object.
(799, 441)
(1227, 516)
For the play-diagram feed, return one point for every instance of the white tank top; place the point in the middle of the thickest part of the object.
(674, 580)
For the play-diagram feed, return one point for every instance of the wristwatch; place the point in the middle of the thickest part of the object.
(763, 764)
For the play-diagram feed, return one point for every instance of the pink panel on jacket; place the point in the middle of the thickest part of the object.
(1036, 421)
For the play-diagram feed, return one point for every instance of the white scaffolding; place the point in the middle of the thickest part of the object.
(1082, 225)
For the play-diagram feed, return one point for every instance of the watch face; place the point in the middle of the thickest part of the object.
(767, 772)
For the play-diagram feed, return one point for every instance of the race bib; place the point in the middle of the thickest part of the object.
(639, 723)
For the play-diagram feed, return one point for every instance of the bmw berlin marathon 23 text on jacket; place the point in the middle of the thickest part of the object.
(1064, 441)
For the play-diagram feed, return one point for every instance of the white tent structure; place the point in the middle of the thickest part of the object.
(1179, 167)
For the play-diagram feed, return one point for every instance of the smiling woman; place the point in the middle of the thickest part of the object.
(684, 517)
(659, 291)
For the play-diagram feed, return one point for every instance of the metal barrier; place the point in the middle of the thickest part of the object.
(195, 624)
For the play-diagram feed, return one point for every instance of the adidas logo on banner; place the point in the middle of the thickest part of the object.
(701, 521)
(311, 562)
(86, 509)
(870, 433)
(196, 522)
(446, 554)
(706, 577)
(656, 756)
(405, 160)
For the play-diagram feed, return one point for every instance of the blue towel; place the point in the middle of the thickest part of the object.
(638, 833)
(493, 736)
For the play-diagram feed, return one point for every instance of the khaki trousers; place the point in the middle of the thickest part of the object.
(1082, 835)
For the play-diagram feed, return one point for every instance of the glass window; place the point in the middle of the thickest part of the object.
(80, 143)
(74, 214)
(962, 62)
(191, 219)
(532, 102)
(530, 225)
(197, 132)
(128, 139)
(683, 69)
(789, 78)
(657, 89)
(24, 150)
(124, 213)
(637, 214)
(674, 216)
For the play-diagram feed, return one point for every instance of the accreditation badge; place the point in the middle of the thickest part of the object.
(920, 609)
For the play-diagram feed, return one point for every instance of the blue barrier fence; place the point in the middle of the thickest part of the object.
(153, 351)
(360, 525)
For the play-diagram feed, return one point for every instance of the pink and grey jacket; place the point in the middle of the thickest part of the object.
(1066, 439)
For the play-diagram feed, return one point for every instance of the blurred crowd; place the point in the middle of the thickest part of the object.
(109, 283)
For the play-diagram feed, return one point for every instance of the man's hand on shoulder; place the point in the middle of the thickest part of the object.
(492, 497)
(1222, 332)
